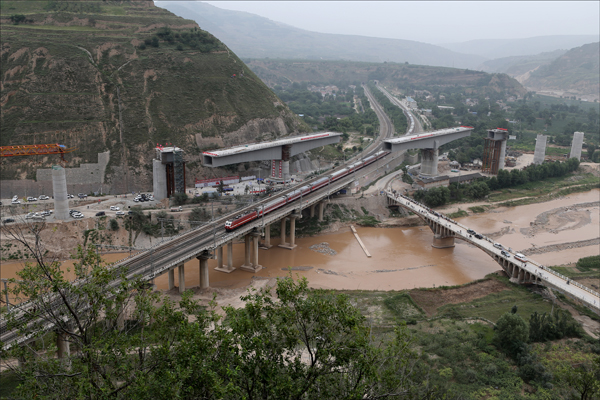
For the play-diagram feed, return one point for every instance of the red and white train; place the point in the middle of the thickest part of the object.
(280, 201)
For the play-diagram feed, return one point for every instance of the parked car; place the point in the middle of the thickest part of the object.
(8, 221)
(15, 198)
(100, 213)
(119, 213)
(15, 201)
(32, 198)
(82, 195)
(114, 208)
(43, 197)
(45, 213)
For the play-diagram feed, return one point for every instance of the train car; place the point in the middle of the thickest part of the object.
(302, 191)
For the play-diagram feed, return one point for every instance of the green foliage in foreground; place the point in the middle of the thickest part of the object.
(287, 342)
(587, 263)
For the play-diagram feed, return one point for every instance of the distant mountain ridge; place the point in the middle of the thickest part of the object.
(575, 73)
(252, 36)
(500, 48)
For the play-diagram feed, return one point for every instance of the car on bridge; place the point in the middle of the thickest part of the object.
(498, 246)
(505, 254)
(478, 236)
(520, 257)
(471, 232)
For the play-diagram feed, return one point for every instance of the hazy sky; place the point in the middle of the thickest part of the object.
(433, 22)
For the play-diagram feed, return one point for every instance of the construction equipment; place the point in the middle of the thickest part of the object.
(35, 150)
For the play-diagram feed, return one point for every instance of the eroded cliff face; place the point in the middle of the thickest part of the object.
(122, 77)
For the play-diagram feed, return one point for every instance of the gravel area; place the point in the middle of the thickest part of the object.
(323, 248)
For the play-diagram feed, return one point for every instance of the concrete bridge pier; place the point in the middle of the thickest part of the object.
(63, 345)
(429, 161)
(292, 244)
(251, 253)
(171, 274)
(203, 261)
(321, 210)
(282, 242)
(267, 244)
(312, 210)
(442, 242)
(222, 267)
(181, 271)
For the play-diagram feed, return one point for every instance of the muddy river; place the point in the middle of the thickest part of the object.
(403, 258)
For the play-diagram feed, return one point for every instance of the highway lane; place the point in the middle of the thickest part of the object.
(417, 123)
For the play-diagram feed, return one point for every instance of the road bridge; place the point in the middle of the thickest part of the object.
(429, 142)
(524, 271)
(282, 149)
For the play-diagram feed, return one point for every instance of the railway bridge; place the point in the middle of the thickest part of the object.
(523, 271)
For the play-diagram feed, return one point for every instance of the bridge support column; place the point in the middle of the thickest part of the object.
(203, 260)
(181, 271)
(282, 242)
(321, 209)
(267, 244)
(251, 253)
(429, 162)
(292, 244)
(222, 267)
(63, 347)
(312, 210)
(521, 275)
(220, 256)
(442, 242)
(171, 274)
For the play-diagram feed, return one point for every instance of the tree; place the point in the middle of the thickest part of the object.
(180, 199)
(584, 378)
(114, 225)
(511, 333)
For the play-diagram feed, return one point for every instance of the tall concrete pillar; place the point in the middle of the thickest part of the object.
(59, 190)
(282, 241)
(576, 145)
(312, 210)
(63, 345)
(321, 209)
(267, 244)
(292, 244)
(429, 162)
(221, 267)
(540, 149)
(203, 265)
(159, 180)
(515, 271)
(220, 256)
(181, 270)
(502, 160)
(285, 156)
(521, 275)
(171, 274)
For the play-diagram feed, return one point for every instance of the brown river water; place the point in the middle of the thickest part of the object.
(402, 258)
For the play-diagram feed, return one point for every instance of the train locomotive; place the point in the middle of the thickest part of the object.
(280, 201)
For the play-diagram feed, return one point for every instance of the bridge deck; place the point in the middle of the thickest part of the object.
(552, 278)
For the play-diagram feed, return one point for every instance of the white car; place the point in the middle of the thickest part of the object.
(120, 213)
(15, 198)
(43, 197)
(15, 201)
(30, 215)
(32, 199)
(114, 208)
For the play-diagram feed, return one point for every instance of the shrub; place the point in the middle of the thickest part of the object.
(114, 225)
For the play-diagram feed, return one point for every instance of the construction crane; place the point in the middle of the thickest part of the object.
(36, 150)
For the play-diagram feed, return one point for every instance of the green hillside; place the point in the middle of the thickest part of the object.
(123, 76)
(576, 71)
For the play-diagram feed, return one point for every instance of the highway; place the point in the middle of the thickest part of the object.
(415, 123)
(550, 278)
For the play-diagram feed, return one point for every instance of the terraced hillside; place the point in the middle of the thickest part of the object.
(123, 76)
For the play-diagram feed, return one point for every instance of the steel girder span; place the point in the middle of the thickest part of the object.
(280, 149)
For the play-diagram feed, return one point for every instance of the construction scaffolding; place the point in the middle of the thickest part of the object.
(494, 151)
(172, 159)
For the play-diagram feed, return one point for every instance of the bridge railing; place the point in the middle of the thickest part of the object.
(534, 263)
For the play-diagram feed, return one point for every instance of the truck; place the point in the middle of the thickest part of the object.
(177, 209)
